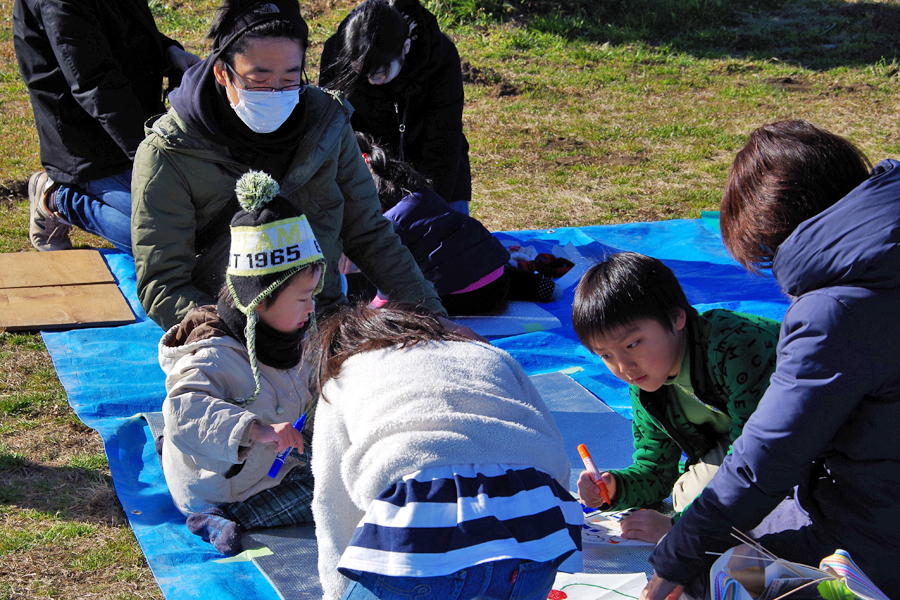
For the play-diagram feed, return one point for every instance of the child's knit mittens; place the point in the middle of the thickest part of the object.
(214, 527)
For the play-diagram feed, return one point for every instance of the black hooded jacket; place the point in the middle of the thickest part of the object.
(94, 70)
(427, 97)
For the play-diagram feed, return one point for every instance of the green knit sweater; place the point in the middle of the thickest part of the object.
(732, 357)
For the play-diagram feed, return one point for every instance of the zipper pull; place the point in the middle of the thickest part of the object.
(401, 125)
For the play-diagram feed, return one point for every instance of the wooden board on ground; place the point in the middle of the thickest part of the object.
(59, 290)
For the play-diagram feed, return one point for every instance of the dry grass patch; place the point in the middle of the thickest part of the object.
(78, 565)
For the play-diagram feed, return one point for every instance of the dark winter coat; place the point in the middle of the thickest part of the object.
(94, 70)
(830, 417)
(732, 357)
(426, 99)
(453, 250)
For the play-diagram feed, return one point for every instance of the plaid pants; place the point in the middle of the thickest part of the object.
(288, 503)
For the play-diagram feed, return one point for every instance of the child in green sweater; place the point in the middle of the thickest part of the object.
(694, 380)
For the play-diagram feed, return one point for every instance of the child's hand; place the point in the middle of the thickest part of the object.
(590, 493)
(345, 265)
(283, 435)
(646, 525)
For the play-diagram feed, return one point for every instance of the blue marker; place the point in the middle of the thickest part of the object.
(279, 460)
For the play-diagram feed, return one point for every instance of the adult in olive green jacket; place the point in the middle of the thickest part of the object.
(185, 170)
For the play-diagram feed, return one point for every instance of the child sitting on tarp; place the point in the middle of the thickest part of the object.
(439, 470)
(235, 381)
(468, 266)
(694, 378)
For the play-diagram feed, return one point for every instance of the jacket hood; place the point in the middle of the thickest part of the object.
(426, 39)
(852, 243)
(200, 327)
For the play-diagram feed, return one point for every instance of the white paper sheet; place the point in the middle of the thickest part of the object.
(594, 586)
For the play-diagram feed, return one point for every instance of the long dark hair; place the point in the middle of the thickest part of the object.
(356, 329)
(373, 37)
(787, 172)
(394, 179)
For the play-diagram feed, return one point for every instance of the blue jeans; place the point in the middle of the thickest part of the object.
(511, 579)
(101, 207)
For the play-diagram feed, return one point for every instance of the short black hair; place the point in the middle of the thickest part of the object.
(623, 288)
(292, 27)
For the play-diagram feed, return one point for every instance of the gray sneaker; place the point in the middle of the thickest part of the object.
(46, 229)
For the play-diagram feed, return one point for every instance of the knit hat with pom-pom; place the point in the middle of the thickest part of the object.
(270, 242)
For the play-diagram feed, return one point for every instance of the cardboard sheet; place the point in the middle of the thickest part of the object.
(59, 290)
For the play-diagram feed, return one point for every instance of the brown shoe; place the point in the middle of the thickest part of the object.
(46, 229)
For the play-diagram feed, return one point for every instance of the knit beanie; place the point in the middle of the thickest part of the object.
(270, 242)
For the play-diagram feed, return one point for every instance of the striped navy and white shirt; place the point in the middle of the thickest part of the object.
(444, 519)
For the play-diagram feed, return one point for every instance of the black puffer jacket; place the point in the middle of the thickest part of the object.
(427, 96)
(94, 70)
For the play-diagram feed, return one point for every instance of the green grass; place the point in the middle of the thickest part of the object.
(578, 112)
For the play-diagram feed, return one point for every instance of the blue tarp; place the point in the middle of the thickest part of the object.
(111, 376)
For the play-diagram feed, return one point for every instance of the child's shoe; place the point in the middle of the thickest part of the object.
(214, 527)
(47, 230)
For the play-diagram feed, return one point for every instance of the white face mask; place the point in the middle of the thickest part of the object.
(264, 112)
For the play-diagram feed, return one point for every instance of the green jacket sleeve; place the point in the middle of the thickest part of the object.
(369, 239)
(163, 225)
(655, 468)
(741, 360)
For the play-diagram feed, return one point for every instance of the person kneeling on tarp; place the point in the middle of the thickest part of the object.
(439, 470)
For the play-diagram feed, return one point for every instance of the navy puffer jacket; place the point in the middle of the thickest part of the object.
(452, 249)
(830, 417)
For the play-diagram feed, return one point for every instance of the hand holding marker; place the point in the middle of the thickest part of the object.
(594, 473)
(279, 460)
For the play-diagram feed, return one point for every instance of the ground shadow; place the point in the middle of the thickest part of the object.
(814, 34)
(73, 494)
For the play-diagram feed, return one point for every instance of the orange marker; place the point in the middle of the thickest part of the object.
(593, 472)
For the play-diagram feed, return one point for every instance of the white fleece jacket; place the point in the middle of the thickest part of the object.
(392, 412)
